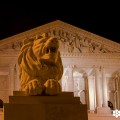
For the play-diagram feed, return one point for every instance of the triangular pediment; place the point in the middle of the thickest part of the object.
(73, 40)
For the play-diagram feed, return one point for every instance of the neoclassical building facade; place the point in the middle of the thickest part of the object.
(91, 64)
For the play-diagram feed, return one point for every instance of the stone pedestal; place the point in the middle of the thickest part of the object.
(62, 107)
(104, 111)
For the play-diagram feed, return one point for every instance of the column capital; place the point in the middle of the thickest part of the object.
(71, 66)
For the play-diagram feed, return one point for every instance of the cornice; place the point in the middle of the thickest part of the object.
(13, 53)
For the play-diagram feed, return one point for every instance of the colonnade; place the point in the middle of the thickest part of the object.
(98, 86)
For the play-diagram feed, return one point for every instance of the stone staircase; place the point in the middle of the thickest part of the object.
(94, 116)
(91, 116)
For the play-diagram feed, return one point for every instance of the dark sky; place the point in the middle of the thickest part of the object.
(101, 19)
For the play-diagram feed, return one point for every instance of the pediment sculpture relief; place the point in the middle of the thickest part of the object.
(70, 42)
(11, 47)
(74, 43)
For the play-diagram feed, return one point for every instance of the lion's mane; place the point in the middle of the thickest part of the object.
(35, 63)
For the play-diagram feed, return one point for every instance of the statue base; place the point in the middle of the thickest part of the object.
(62, 107)
(104, 111)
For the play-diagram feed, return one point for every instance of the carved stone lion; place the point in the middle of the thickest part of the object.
(40, 66)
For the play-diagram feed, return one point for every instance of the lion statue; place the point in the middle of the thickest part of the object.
(40, 66)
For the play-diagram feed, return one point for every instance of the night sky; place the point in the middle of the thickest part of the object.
(101, 19)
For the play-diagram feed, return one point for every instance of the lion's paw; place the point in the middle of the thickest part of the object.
(52, 87)
(34, 87)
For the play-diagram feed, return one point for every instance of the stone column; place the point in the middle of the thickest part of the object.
(104, 88)
(70, 79)
(17, 81)
(98, 88)
(101, 93)
(117, 90)
(92, 92)
(11, 79)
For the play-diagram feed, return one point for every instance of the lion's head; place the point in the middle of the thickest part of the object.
(39, 58)
(46, 50)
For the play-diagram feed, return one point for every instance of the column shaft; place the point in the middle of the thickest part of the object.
(70, 80)
(11, 79)
(98, 88)
(104, 85)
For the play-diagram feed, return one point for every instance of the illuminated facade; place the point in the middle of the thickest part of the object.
(91, 64)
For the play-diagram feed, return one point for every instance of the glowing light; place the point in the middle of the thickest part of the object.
(116, 113)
